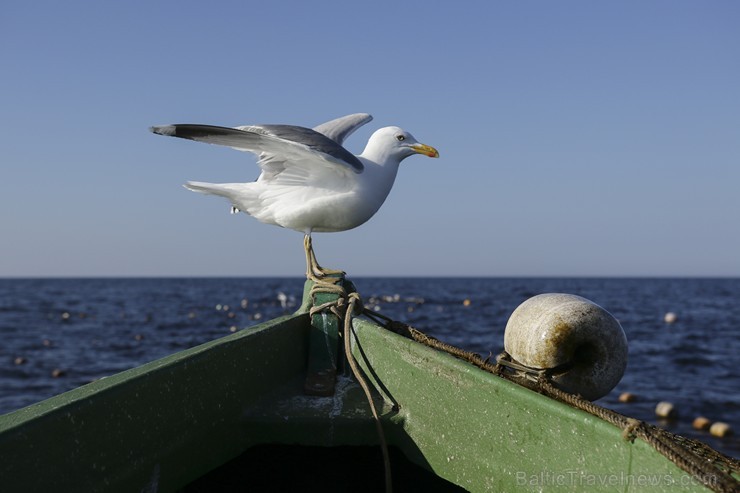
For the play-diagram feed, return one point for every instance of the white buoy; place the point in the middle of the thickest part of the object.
(720, 429)
(670, 317)
(556, 330)
(666, 410)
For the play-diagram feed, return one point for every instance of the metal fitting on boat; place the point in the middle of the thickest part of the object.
(583, 344)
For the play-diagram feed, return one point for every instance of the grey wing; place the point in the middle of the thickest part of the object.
(277, 145)
(341, 128)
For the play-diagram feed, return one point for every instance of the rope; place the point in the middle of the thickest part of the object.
(354, 298)
(344, 307)
(327, 287)
(717, 478)
(707, 465)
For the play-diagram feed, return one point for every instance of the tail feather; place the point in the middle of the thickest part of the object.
(221, 189)
(241, 195)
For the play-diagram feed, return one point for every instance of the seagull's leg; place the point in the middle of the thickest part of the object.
(310, 257)
(313, 270)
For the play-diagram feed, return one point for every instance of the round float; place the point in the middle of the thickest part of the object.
(583, 343)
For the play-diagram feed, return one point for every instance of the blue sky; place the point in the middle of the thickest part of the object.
(576, 137)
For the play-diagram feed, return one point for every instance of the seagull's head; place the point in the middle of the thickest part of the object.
(394, 143)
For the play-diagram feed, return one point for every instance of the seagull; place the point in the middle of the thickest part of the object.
(309, 181)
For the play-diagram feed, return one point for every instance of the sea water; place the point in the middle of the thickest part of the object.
(58, 334)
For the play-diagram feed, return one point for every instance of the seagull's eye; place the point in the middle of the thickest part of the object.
(400, 138)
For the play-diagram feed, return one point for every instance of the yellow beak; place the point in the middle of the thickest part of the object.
(425, 149)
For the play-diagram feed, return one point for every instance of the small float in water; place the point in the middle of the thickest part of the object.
(275, 407)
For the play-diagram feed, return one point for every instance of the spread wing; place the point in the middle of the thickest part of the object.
(340, 128)
(279, 146)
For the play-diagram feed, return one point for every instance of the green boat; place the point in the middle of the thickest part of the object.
(275, 407)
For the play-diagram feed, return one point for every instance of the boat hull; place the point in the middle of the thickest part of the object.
(163, 425)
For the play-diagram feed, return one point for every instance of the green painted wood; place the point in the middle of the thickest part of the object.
(323, 348)
(156, 427)
(485, 433)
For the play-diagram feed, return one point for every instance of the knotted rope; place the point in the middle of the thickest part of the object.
(344, 307)
(337, 307)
